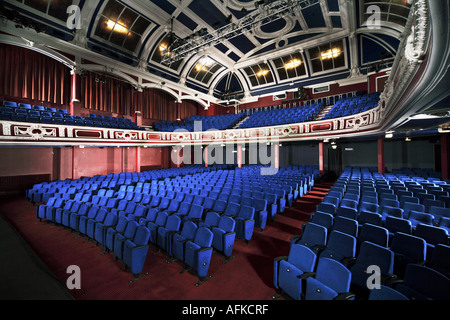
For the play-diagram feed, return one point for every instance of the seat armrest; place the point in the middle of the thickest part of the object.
(345, 296)
(280, 258)
(306, 275)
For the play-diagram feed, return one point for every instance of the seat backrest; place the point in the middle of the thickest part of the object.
(427, 282)
(208, 203)
(333, 274)
(184, 208)
(246, 213)
(327, 208)
(235, 198)
(220, 205)
(68, 205)
(212, 218)
(323, 219)
(374, 234)
(189, 229)
(121, 224)
(331, 199)
(165, 202)
(409, 245)
(161, 218)
(346, 225)
(101, 215)
(84, 208)
(431, 234)
(93, 212)
(155, 201)
(347, 212)
(227, 224)
(314, 234)
(302, 257)
(369, 207)
(142, 236)
(130, 230)
(195, 211)
(173, 223)
(260, 205)
(439, 211)
(409, 206)
(198, 200)
(122, 205)
(203, 237)
(420, 217)
(246, 201)
(271, 198)
(131, 207)
(140, 210)
(174, 205)
(110, 219)
(349, 203)
(374, 254)
(341, 243)
(389, 203)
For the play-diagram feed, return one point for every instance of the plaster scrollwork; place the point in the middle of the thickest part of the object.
(36, 132)
(415, 43)
(127, 135)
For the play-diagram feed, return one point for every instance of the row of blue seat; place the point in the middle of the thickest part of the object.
(11, 111)
(354, 105)
(409, 250)
(218, 205)
(307, 275)
(200, 123)
(282, 116)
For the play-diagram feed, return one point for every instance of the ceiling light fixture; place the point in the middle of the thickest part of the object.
(294, 63)
(115, 26)
(262, 73)
(332, 53)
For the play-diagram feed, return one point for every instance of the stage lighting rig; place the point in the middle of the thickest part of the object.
(266, 12)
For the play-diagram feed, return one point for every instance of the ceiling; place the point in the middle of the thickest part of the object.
(137, 32)
(278, 54)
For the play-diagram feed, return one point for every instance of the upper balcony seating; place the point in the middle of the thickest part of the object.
(200, 123)
(282, 116)
(353, 105)
(20, 112)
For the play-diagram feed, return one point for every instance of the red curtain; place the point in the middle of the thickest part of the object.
(105, 93)
(31, 75)
(157, 105)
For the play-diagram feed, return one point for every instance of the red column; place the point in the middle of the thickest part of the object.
(138, 159)
(138, 118)
(445, 152)
(239, 156)
(75, 162)
(321, 166)
(206, 156)
(277, 156)
(74, 101)
(381, 165)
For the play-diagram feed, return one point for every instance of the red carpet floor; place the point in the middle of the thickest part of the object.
(246, 277)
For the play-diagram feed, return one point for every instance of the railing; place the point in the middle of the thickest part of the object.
(48, 134)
